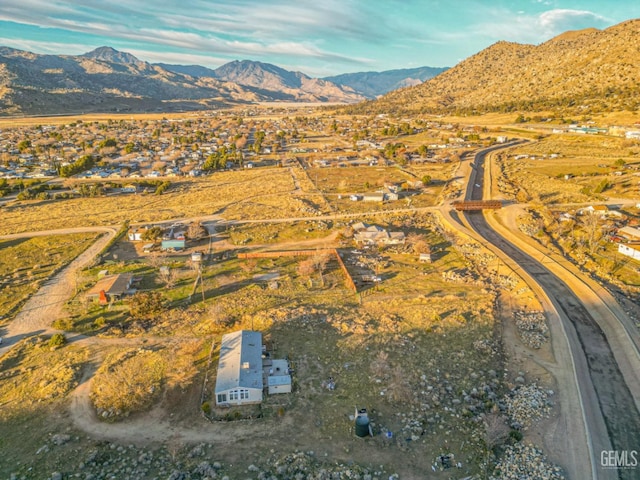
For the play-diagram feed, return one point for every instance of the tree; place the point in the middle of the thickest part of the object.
(196, 231)
(418, 243)
(306, 268)
(592, 224)
(152, 233)
(57, 340)
(496, 430)
(320, 262)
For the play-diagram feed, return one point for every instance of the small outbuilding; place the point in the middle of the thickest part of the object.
(279, 380)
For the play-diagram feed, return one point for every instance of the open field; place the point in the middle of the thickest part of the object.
(224, 193)
(587, 160)
(27, 263)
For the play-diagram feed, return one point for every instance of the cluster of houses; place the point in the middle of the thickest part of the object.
(390, 192)
(173, 236)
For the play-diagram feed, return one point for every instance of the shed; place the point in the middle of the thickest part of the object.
(239, 380)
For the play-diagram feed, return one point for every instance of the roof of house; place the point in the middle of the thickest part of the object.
(240, 363)
(112, 285)
(630, 231)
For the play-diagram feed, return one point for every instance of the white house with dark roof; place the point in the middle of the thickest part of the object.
(240, 373)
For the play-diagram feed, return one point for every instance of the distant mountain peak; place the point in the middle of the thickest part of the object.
(109, 54)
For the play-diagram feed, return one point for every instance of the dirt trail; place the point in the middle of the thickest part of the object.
(45, 306)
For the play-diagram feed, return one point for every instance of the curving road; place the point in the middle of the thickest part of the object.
(607, 398)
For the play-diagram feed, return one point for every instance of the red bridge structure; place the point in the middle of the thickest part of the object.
(471, 205)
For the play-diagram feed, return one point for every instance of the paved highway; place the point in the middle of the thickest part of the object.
(605, 393)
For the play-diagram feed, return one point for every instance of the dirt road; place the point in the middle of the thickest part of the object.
(46, 305)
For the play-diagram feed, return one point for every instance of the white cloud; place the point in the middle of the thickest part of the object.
(539, 28)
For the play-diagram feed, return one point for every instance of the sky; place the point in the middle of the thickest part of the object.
(317, 37)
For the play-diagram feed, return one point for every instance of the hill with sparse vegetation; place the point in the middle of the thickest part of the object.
(585, 71)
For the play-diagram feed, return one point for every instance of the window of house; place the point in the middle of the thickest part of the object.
(233, 395)
(222, 397)
(244, 394)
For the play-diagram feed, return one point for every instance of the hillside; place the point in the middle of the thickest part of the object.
(103, 80)
(106, 80)
(577, 72)
(374, 84)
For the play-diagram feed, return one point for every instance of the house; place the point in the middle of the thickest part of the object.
(375, 235)
(135, 233)
(629, 251)
(601, 210)
(240, 374)
(112, 287)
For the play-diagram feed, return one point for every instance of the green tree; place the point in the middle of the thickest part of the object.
(57, 340)
(152, 233)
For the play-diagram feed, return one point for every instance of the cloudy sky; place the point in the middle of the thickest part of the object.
(317, 37)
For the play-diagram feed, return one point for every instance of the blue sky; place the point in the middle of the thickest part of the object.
(317, 37)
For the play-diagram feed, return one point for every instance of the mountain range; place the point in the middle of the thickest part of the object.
(108, 80)
(577, 72)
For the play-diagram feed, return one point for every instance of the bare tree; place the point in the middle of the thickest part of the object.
(167, 276)
(320, 262)
(496, 430)
(418, 243)
(306, 268)
(156, 259)
(592, 224)
(196, 231)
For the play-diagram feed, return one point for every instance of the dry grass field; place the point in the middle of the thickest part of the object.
(261, 193)
(587, 160)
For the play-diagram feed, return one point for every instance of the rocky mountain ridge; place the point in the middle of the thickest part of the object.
(579, 72)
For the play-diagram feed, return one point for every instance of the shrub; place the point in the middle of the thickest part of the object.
(57, 340)
(146, 305)
(515, 435)
(206, 408)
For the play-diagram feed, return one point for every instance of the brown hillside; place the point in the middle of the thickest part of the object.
(580, 71)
